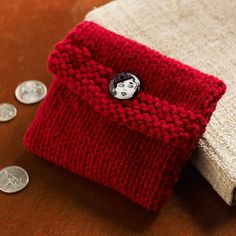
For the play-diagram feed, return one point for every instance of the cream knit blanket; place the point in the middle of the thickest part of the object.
(200, 33)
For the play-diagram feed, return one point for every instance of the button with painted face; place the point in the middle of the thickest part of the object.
(124, 86)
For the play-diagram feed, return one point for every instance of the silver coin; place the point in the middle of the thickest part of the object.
(31, 91)
(7, 112)
(13, 179)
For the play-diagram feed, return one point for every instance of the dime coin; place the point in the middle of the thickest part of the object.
(7, 112)
(31, 91)
(13, 179)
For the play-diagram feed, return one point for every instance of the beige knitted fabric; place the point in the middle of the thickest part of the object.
(200, 33)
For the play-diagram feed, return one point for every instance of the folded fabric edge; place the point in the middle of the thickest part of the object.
(224, 184)
(234, 200)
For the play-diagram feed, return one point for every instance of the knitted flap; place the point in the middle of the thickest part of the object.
(137, 147)
(87, 68)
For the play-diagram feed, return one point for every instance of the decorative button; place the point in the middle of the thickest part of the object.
(124, 86)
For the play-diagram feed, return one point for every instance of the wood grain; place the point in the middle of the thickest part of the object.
(57, 202)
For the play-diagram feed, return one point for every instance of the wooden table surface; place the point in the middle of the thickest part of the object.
(56, 202)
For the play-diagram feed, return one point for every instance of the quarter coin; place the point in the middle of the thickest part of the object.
(13, 179)
(7, 112)
(31, 91)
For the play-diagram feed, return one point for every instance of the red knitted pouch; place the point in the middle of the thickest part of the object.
(137, 147)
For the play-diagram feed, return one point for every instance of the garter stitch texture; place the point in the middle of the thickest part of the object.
(137, 147)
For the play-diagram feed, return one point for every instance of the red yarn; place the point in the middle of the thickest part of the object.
(137, 147)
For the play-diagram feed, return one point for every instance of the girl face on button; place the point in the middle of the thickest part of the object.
(126, 88)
